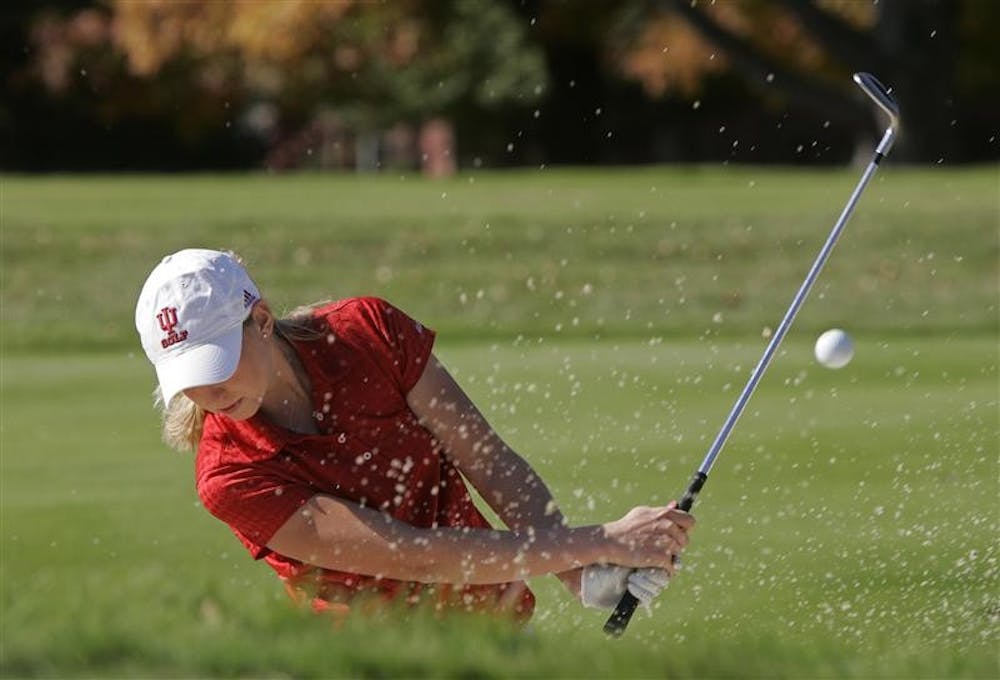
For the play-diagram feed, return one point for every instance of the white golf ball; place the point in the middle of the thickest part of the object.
(834, 348)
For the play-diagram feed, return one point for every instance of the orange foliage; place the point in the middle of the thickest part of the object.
(60, 41)
(153, 32)
(668, 55)
(857, 14)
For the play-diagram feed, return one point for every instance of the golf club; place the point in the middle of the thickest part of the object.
(619, 619)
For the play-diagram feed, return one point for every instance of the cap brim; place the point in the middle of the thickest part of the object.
(207, 364)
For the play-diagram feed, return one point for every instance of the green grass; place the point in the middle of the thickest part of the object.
(849, 529)
(583, 253)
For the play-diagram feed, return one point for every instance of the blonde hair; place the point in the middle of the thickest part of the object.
(182, 420)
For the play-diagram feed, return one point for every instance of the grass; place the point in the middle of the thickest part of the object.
(849, 529)
(677, 252)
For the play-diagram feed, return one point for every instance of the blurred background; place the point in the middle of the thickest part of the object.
(636, 189)
(441, 85)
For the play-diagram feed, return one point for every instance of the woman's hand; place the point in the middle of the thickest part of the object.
(602, 585)
(649, 537)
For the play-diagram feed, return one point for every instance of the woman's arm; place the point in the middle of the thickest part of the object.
(336, 534)
(505, 481)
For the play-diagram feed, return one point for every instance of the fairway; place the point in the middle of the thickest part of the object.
(605, 323)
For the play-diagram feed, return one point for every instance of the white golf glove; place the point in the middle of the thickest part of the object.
(602, 585)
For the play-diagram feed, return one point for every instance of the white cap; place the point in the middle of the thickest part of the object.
(190, 318)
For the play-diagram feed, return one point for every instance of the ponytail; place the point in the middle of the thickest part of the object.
(182, 421)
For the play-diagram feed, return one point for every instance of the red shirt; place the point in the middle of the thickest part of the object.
(370, 450)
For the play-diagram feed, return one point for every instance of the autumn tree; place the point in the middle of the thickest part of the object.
(184, 83)
(803, 52)
(278, 64)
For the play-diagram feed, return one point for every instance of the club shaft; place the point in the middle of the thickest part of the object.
(786, 322)
(620, 617)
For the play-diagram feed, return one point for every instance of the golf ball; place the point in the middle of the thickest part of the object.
(834, 348)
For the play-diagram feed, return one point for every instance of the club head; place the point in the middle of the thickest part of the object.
(881, 95)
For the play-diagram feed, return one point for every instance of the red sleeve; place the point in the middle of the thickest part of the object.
(405, 344)
(250, 496)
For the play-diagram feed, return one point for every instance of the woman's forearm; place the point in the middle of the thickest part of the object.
(454, 555)
(332, 534)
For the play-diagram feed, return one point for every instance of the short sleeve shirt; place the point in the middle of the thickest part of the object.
(370, 449)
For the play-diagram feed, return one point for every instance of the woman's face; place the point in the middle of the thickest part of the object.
(241, 395)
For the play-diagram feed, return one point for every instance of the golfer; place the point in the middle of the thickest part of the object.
(338, 449)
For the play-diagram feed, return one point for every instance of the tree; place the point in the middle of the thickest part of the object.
(280, 64)
(159, 84)
(806, 49)
(212, 74)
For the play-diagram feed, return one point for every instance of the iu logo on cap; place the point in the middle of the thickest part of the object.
(168, 323)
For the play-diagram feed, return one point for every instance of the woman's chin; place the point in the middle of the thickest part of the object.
(242, 409)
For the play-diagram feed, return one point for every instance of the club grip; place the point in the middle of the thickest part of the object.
(694, 488)
(618, 621)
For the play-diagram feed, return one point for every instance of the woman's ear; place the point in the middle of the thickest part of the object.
(263, 319)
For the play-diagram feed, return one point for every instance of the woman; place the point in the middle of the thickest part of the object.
(338, 448)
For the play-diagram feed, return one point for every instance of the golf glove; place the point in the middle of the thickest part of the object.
(602, 585)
